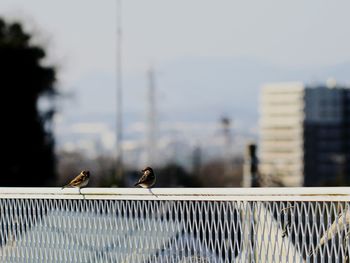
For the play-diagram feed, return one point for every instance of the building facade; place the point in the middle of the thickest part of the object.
(305, 134)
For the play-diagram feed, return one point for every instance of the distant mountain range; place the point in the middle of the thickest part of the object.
(191, 93)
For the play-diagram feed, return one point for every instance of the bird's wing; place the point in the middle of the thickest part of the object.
(77, 180)
(143, 178)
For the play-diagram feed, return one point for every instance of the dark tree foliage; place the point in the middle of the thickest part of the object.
(27, 157)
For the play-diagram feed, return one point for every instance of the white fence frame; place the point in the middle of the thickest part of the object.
(325, 194)
(255, 204)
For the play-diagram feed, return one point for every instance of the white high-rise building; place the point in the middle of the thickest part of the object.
(304, 134)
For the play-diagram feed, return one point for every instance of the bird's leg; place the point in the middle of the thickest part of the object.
(149, 189)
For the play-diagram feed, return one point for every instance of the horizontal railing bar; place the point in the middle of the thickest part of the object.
(205, 194)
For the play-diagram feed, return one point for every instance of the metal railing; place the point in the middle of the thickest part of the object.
(174, 225)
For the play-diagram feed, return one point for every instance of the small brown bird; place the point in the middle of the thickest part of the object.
(148, 179)
(80, 181)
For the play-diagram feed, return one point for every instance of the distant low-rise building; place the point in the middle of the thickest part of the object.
(305, 134)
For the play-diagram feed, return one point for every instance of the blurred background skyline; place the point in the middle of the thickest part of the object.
(209, 60)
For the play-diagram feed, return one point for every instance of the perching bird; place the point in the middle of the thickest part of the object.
(148, 179)
(80, 181)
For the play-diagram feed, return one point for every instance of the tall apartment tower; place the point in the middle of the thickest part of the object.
(305, 134)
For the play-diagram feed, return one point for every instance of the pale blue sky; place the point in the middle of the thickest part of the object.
(289, 33)
(210, 56)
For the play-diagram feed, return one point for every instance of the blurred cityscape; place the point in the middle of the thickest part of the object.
(237, 112)
(303, 140)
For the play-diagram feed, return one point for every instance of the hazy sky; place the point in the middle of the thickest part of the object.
(176, 36)
(81, 33)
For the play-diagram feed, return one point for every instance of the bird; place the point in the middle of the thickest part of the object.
(80, 181)
(148, 179)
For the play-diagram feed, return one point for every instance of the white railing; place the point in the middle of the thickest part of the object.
(174, 225)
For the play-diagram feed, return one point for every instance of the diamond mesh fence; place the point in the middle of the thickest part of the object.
(100, 229)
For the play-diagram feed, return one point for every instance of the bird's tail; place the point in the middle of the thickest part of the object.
(65, 186)
(136, 184)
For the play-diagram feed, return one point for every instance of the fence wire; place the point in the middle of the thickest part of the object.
(100, 230)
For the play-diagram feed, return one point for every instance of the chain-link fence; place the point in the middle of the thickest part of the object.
(174, 225)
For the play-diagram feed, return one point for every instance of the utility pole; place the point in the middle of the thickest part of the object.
(151, 119)
(226, 128)
(250, 167)
(119, 121)
(196, 160)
